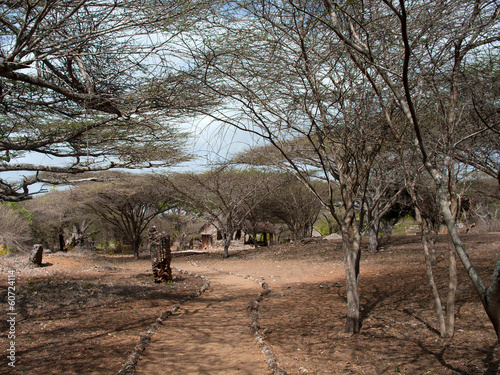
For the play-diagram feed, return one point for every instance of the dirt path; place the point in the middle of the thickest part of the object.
(301, 320)
(212, 334)
(87, 313)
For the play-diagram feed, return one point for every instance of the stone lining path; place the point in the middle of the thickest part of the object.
(212, 332)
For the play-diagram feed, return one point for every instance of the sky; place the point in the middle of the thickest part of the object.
(211, 142)
(215, 142)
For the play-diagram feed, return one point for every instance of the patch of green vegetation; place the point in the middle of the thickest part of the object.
(402, 225)
(322, 228)
(113, 247)
(17, 207)
(4, 250)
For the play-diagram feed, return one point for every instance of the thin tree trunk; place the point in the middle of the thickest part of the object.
(227, 243)
(432, 283)
(431, 240)
(492, 298)
(134, 239)
(452, 292)
(373, 240)
(329, 223)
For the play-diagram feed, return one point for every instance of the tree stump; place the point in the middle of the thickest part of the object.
(161, 256)
(36, 255)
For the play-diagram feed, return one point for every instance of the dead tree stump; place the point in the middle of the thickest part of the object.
(36, 255)
(161, 256)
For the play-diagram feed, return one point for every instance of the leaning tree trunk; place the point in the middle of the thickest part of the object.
(435, 293)
(490, 296)
(330, 224)
(431, 240)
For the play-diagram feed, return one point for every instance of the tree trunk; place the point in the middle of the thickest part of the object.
(62, 245)
(431, 240)
(373, 239)
(351, 249)
(136, 245)
(330, 223)
(386, 227)
(432, 283)
(430, 237)
(227, 243)
(452, 292)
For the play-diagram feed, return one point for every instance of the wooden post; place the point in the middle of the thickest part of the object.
(161, 256)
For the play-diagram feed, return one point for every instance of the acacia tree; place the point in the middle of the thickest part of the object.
(288, 84)
(80, 86)
(288, 201)
(384, 190)
(425, 58)
(297, 207)
(225, 195)
(128, 204)
(56, 217)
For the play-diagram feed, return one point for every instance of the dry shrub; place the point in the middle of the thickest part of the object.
(486, 216)
(487, 225)
(15, 231)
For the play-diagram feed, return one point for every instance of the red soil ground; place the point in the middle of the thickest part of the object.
(82, 313)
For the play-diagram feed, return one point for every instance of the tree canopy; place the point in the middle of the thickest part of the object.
(80, 85)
